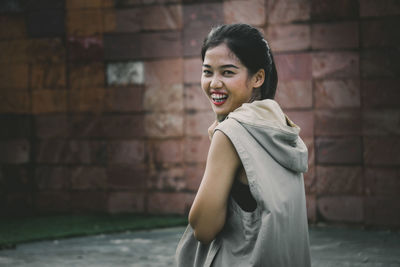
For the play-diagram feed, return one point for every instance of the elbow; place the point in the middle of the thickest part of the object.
(203, 237)
(205, 234)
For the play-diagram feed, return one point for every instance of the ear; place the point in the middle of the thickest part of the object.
(258, 78)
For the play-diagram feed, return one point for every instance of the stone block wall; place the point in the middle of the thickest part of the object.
(101, 108)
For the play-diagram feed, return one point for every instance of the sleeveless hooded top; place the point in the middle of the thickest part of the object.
(276, 232)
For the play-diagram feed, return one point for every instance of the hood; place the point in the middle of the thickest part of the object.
(274, 131)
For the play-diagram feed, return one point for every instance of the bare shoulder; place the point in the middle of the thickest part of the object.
(222, 150)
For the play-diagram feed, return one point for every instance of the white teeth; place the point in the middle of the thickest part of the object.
(218, 96)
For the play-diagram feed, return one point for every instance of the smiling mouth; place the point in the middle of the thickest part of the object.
(218, 98)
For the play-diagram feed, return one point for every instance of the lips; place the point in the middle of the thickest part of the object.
(218, 99)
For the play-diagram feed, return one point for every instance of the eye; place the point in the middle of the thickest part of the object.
(207, 72)
(227, 73)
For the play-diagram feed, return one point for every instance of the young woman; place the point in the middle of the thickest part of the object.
(250, 207)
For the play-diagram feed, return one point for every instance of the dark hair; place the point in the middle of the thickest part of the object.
(249, 46)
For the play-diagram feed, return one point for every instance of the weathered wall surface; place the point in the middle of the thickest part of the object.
(101, 110)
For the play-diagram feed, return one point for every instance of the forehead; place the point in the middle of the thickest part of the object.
(221, 55)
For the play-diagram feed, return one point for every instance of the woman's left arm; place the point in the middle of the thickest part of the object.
(208, 213)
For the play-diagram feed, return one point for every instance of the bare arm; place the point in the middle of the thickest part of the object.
(208, 213)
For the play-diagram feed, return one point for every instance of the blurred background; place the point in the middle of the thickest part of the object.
(101, 109)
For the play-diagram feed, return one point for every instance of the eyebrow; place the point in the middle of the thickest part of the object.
(223, 66)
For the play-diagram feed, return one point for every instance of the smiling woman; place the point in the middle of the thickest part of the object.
(250, 207)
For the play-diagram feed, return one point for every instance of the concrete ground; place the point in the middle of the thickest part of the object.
(329, 247)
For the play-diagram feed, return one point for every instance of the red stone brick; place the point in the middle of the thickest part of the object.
(195, 98)
(170, 179)
(334, 93)
(49, 101)
(279, 11)
(87, 100)
(196, 124)
(325, 9)
(46, 50)
(371, 8)
(161, 45)
(341, 208)
(109, 20)
(196, 149)
(14, 76)
(49, 178)
(381, 122)
(335, 64)
(164, 71)
(345, 150)
(251, 12)
(12, 27)
(167, 151)
(382, 181)
(15, 102)
(84, 22)
(193, 175)
(48, 76)
(130, 152)
(121, 126)
(149, 18)
(45, 22)
(334, 35)
(169, 203)
(82, 4)
(192, 70)
(125, 202)
(14, 51)
(62, 151)
(380, 63)
(311, 203)
(293, 66)
(129, 3)
(124, 99)
(380, 93)
(198, 19)
(380, 33)
(15, 178)
(127, 177)
(15, 126)
(294, 94)
(332, 180)
(310, 177)
(86, 75)
(89, 201)
(85, 48)
(338, 122)
(122, 46)
(164, 124)
(305, 120)
(158, 98)
(382, 151)
(88, 178)
(288, 37)
(86, 125)
(14, 151)
(52, 202)
(382, 211)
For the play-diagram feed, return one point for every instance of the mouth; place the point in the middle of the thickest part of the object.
(218, 99)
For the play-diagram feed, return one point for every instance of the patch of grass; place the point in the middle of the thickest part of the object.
(18, 230)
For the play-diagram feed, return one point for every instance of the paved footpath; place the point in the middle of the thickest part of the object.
(329, 247)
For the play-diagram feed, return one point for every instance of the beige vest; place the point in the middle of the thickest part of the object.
(274, 158)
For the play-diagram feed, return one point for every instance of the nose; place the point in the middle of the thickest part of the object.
(215, 82)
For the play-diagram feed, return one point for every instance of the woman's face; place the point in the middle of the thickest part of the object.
(225, 80)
